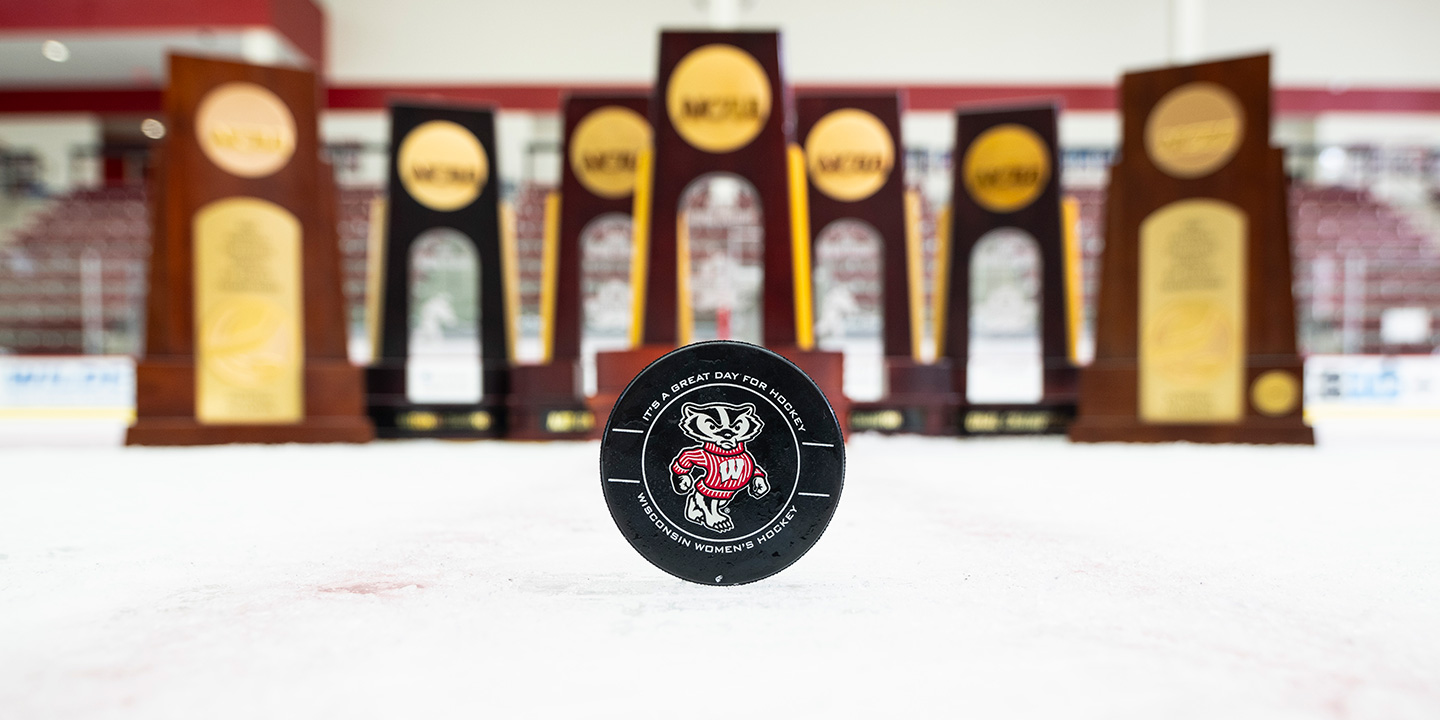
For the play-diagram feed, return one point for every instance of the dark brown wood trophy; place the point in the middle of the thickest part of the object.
(1006, 206)
(1195, 335)
(720, 106)
(605, 139)
(443, 288)
(245, 335)
(854, 161)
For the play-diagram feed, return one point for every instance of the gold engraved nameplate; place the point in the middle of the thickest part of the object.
(248, 343)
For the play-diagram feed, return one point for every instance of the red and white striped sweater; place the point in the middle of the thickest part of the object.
(726, 471)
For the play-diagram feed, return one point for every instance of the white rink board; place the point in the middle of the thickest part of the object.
(1022, 578)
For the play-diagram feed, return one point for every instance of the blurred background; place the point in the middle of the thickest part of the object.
(994, 578)
(1357, 109)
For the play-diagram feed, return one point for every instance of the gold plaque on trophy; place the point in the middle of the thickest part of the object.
(245, 129)
(1006, 168)
(442, 165)
(1192, 313)
(249, 351)
(849, 154)
(718, 98)
(604, 150)
(1194, 130)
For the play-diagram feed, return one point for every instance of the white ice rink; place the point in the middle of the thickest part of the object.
(1021, 578)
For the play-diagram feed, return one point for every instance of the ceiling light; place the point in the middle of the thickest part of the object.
(152, 128)
(55, 50)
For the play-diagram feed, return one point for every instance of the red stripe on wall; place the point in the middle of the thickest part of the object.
(513, 97)
(80, 101)
(1291, 101)
(61, 15)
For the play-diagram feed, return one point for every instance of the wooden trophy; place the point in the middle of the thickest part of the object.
(605, 138)
(854, 161)
(429, 379)
(1195, 335)
(245, 335)
(1006, 205)
(720, 107)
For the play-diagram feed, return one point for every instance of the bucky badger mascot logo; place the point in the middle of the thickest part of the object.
(712, 472)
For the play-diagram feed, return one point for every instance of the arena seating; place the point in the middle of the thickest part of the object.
(91, 246)
(1355, 256)
(529, 205)
(354, 218)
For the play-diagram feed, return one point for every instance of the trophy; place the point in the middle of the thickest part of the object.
(245, 336)
(867, 259)
(1195, 335)
(719, 117)
(605, 138)
(443, 339)
(1006, 244)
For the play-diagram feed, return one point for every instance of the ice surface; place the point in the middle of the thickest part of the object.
(1020, 578)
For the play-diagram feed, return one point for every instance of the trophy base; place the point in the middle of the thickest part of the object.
(397, 417)
(187, 431)
(478, 421)
(918, 400)
(546, 403)
(1042, 418)
(827, 369)
(1051, 415)
(614, 370)
(1111, 396)
(1093, 430)
(165, 408)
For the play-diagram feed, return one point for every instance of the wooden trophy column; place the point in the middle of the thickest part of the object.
(1007, 189)
(245, 336)
(445, 185)
(720, 106)
(605, 138)
(854, 161)
(1195, 335)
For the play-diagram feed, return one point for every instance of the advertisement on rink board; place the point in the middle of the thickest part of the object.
(1378, 385)
(1335, 385)
(92, 386)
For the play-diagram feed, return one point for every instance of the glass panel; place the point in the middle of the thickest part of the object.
(444, 362)
(848, 276)
(605, 250)
(1005, 363)
(726, 235)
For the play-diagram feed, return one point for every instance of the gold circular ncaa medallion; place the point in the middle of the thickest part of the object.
(718, 98)
(849, 154)
(1194, 130)
(245, 129)
(604, 149)
(442, 165)
(1006, 168)
(1275, 393)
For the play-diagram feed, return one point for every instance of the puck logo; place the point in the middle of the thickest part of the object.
(722, 476)
(710, 474)
(720, 462)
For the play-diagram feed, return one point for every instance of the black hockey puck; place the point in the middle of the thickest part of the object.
(722, 463)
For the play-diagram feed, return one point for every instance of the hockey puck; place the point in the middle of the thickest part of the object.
(722, 463)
